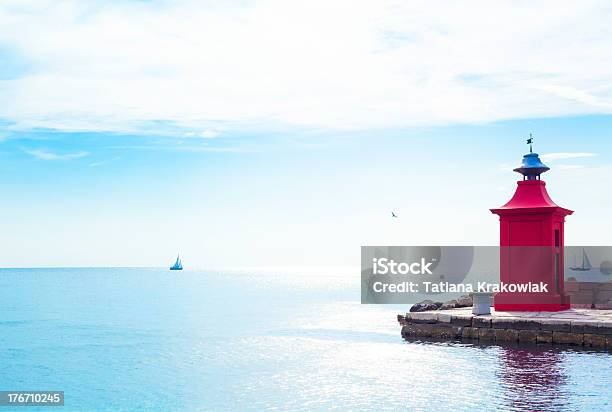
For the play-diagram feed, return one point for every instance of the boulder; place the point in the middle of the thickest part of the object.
(425, 306)
(451, 304)
(464, 302)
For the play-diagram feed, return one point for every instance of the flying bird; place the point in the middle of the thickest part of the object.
(393, 214)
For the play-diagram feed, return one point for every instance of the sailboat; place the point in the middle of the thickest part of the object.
(586, 263)
(178, 265)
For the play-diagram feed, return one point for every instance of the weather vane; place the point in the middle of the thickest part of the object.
(530, 143)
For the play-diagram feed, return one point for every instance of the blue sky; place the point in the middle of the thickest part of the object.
(258, 134)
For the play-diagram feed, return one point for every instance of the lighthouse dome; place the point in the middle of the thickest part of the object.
(532, 167)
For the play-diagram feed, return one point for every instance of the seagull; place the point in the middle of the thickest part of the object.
(393, 214)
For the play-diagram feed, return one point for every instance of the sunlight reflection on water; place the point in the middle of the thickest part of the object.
(142, 339)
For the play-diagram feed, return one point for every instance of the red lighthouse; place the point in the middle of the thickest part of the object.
(531, 243)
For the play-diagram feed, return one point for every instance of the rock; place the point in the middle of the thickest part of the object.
(444, 317)
(584, 326)
(528, 336)
(555, 325)
(515, 323)
(417, 331)
(568, 338)
(407, 331)
(605, 328)
(481, 322)
(425, 305)
(486, 334)
(461, 320)
(451, 304)
(424, 317)
(506, 335)
(544, 336)
(596, 341)
(469, 333)
(446, 331)
(464, 302)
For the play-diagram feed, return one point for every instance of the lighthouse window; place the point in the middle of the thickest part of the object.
(557, 238)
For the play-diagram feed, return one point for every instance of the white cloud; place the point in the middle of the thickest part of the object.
(47, 155)
(316, 64)
(551, 157)
(209, 134)
(570, 167)
(205, 134)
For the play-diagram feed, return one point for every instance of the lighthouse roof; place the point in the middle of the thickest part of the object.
(531, 194)
(532, 166)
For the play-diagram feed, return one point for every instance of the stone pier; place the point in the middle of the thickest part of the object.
(579, 327)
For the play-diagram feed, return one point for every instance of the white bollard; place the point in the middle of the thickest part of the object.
(482, 303)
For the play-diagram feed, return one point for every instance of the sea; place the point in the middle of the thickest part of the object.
(150, 339)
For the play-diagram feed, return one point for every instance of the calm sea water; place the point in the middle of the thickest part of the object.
(150, 339)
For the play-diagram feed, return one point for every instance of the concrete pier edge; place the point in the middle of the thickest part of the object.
(576, 327)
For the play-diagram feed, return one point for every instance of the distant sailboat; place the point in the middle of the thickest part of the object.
(586, 263)
(178, 265)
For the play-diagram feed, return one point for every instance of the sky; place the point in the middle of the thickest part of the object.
(280, 133)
